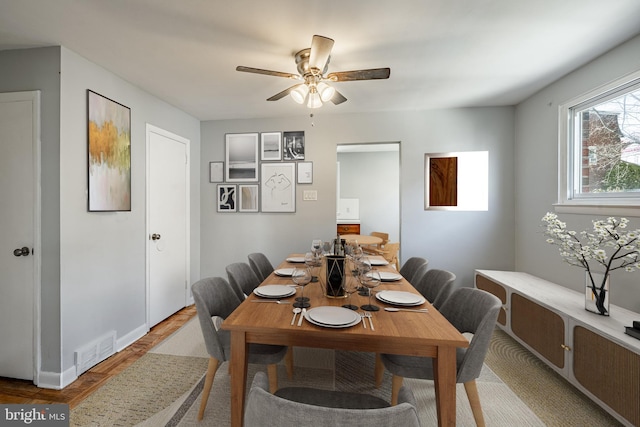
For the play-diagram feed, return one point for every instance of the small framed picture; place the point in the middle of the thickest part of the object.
(305, 172)
(271, 146)
(216, 171)
(293, 145)
(248, 198)
(226, 197)
(241, 157)
(278, 192)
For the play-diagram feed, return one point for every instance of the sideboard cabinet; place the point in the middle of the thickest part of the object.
(591, 351)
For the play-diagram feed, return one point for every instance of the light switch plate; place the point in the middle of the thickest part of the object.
(310, 195)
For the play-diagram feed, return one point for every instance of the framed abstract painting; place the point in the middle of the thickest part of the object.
(109, 154)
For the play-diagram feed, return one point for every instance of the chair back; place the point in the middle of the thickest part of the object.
(475, 311)
(260, 265)
(242, 277)
(214, 297)
(390, 253)
(383, 236)
(411, 267)
(436, 286)
(264, 408)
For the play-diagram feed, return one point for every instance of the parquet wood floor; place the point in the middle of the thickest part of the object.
(22, 391)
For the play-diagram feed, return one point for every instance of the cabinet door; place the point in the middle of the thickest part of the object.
(608, 371)
(497, 290)
(542, 329)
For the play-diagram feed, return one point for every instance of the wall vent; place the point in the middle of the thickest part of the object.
(95, 352)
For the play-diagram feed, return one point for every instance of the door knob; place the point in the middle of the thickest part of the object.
(155, 236)
(22, 251)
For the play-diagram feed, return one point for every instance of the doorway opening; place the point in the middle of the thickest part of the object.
(368, 187)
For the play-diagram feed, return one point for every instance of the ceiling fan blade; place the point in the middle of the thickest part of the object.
(284, 93)
(320, 51)
(267, 72)
(349, 76)
(338, 98)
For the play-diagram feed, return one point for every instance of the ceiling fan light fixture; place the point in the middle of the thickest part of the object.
(314, 99)
(300, 93)
(326, 92)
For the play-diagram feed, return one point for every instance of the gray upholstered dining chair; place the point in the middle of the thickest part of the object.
(308, 407)
(260, 265)
(215, 298)
(242, 277)
(469, 310)
(411, 267)
(436, 286)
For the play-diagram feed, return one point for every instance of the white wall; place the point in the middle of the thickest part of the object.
(102, 254)
(536, 158)
(457, 241)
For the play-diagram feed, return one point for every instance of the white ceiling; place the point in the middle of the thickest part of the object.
(442, 53)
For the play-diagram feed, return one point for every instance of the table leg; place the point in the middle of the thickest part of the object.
(238, 365)
(444, 369)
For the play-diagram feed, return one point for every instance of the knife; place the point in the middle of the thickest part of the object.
(304, 311)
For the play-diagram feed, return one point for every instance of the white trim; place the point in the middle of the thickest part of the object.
(128, 339)
(188, 299)
(596, 206)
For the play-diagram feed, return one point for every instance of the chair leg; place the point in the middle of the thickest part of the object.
(379, 370)
(288, 360)
(474, 400)
(272, 373)
(396, 383)
(208, 382)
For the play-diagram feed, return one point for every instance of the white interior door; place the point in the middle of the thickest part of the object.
(167, 223)
(19, 228)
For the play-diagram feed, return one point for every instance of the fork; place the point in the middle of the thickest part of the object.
(362, 316)
(370, 316)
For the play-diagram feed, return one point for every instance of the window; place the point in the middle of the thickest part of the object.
(600, 148)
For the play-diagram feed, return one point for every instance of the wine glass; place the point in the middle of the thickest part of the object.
(312, 260)
(316, 247)
(301, 277)
(370, 280)
(364, 266)
(350, 286)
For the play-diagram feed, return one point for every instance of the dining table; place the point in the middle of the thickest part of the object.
(362, 239)
(426, 334)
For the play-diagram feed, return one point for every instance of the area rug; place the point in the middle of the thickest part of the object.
(148, 386)
(335, 370)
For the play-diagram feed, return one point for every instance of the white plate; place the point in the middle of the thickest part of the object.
(333, 317)
(378, 261)
(388, 276)
(274, 291)
(400, 298)
(295, 259)
(284, 271)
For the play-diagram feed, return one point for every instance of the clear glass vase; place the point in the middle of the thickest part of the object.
(597, 302)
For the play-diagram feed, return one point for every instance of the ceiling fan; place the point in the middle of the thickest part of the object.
(312, 66)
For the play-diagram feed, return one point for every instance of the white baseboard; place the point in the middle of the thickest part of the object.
(128, 339)
(56, 380)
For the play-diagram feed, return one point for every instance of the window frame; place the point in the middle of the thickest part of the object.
(627, 204)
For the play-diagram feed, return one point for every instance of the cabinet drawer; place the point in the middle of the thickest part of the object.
(539, 327)
(348, 228)
(497, 290)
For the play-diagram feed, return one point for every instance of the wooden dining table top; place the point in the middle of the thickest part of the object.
(417, 334)
(362, 239)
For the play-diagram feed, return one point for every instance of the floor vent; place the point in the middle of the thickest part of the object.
(95, 352)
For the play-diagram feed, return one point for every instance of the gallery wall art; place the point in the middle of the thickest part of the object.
(109, 154)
